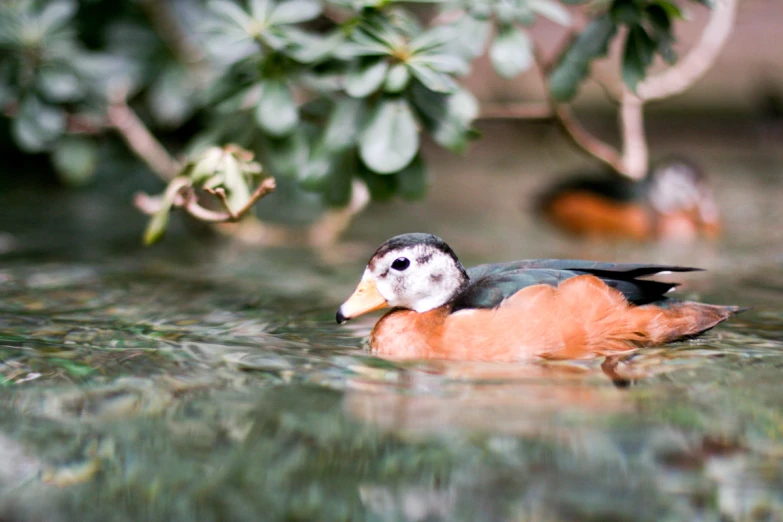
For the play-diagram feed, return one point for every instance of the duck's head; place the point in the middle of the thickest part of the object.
(414, 271)
(677, 184)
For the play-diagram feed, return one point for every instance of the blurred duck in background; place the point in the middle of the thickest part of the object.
(674, 202)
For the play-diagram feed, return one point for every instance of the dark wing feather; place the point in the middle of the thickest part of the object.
(626, 271)
(491, 284)
(489, 290)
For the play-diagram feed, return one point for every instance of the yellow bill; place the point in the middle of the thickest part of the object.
(363, 300)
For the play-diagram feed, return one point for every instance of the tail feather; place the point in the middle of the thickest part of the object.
(680, 320)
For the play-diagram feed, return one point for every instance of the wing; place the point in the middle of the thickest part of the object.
(491, 284)
(621, 270)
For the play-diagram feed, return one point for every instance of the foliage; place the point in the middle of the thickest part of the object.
(321, 91)
(227, 173)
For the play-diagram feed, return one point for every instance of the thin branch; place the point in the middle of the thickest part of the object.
(204, 214)
(139, 138)
(265, 187)
(636, 155)
(185, 197)
(589, 144)
(698, 61)
(564, 116)
(517, 110)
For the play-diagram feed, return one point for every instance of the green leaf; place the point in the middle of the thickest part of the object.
(511, 52)
(626, 12)
(362, 44)
(472, 35)
(444, 63)
(337, 188)
(672, 10)
(295, 11)
(168, 96)
(366, 78)
(382, 30)
(431, 40)
(382, 187)
(662, 34)
(55, 15)
(287, 156)
(315, 174)
(75, 159)
(573, 67)
(391, 138)
(551, 10)
(156, 228)
(659, 18)
(261, 9)
(232, 13)
(413, 181)
(310, 48)
(344, 123)
(397, 79)
(446, 117)
(433, 80)
(58, 84)
(637, 57)
(276, 112)
(37, 124)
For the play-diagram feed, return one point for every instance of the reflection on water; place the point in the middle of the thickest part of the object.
(183, 385)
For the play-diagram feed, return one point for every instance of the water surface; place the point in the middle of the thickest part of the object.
(204, 380)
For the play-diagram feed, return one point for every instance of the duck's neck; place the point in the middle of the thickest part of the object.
(443, 286)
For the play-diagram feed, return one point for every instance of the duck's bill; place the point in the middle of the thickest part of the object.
(363, 300)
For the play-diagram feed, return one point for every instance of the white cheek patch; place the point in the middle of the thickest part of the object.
(431, 280)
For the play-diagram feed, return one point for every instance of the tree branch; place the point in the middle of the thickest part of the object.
(138, 137)
(635, 151)
(565, 118)
(185, 197)
(265, 187)
(589, 144)
(519, 110)
(698, 61)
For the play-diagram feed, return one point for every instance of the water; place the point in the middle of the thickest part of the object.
(204, 380)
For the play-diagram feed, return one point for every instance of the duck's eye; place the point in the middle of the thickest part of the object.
(401, 263)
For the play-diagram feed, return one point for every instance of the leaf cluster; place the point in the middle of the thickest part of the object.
(321, 91)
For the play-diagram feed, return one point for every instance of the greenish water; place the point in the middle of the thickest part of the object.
(204, 380)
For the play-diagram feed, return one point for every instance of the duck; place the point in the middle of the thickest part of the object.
(517, 311)
(674, 202)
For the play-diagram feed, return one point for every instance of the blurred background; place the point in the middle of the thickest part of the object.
(103, 100)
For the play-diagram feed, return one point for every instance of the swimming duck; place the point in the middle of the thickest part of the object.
(673, 202)
(543, 308)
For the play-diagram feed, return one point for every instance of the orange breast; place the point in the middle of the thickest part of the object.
(581, 318)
